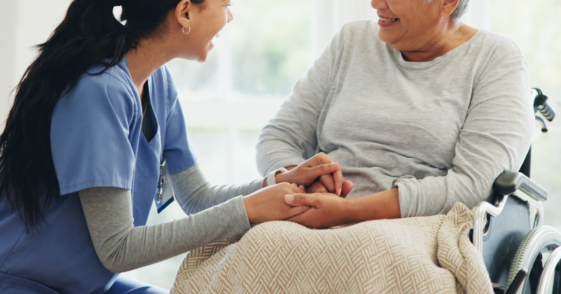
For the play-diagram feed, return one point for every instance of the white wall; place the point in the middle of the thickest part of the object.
(8, 18)
(477, 15)
(23, 24)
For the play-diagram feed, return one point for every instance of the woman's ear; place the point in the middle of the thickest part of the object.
(448, 7)
(182, 11)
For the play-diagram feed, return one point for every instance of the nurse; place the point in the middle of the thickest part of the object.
(96, 134)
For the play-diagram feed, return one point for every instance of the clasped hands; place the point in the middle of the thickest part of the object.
(312, 194)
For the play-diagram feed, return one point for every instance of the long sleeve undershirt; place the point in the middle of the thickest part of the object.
(215, 213)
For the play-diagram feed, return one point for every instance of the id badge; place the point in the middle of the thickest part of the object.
(164, 194)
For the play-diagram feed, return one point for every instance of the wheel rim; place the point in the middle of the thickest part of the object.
(538, 242)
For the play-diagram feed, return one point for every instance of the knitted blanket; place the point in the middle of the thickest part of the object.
(412, 255)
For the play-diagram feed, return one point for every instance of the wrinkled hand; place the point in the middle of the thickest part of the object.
(325, 181)
(326, 210)
(268, 203)
(309, 171)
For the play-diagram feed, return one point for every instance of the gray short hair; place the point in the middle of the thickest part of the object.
(460, 9)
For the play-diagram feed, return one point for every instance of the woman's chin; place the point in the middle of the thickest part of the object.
(203, 56)
(386, 36)
(201, 59)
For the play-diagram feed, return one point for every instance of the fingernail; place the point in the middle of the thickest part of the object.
(289, 198)
(339, 191)
(333, 165)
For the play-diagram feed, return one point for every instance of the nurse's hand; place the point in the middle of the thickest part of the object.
(268, 203)
(320, 167)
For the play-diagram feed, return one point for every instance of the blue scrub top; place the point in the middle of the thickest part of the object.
(96, 141)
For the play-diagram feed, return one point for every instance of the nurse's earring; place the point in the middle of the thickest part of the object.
(183, 30)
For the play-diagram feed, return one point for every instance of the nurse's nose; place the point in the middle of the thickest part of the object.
(230, 15)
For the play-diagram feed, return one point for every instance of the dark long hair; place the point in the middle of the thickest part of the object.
(88, 34)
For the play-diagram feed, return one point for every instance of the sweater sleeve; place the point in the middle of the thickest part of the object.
(194, 193)
(290, 137)
(495, 137)
(122, 247)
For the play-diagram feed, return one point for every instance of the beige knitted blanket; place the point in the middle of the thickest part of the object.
(413, 255)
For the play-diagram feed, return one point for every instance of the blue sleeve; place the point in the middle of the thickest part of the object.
(178, 152)
(91, 136)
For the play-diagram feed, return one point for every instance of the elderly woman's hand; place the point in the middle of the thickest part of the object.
(326, 183)
(326, 209)
(312, 170)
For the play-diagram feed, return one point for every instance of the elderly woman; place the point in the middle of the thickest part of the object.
(420, 110)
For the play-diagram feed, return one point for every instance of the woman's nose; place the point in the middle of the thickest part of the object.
(379, 4)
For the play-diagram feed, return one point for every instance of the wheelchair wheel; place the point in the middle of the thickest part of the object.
(538, 242)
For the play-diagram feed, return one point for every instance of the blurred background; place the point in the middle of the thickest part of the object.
(257, 59)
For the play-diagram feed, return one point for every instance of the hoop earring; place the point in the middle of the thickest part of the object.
(183, 30)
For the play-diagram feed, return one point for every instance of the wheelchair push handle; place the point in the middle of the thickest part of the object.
(541, 105)
(547, 111)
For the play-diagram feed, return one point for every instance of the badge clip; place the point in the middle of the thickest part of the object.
(165, 194)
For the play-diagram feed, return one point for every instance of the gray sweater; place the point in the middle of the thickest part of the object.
(440, 131)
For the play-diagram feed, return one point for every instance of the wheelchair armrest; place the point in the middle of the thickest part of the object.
(509, 182)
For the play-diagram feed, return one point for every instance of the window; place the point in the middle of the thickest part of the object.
(228, 99)
(535, 26)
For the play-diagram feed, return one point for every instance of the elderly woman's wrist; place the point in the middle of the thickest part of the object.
(350, 211)
(381, 205)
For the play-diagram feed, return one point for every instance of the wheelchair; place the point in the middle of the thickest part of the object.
(520, 253)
